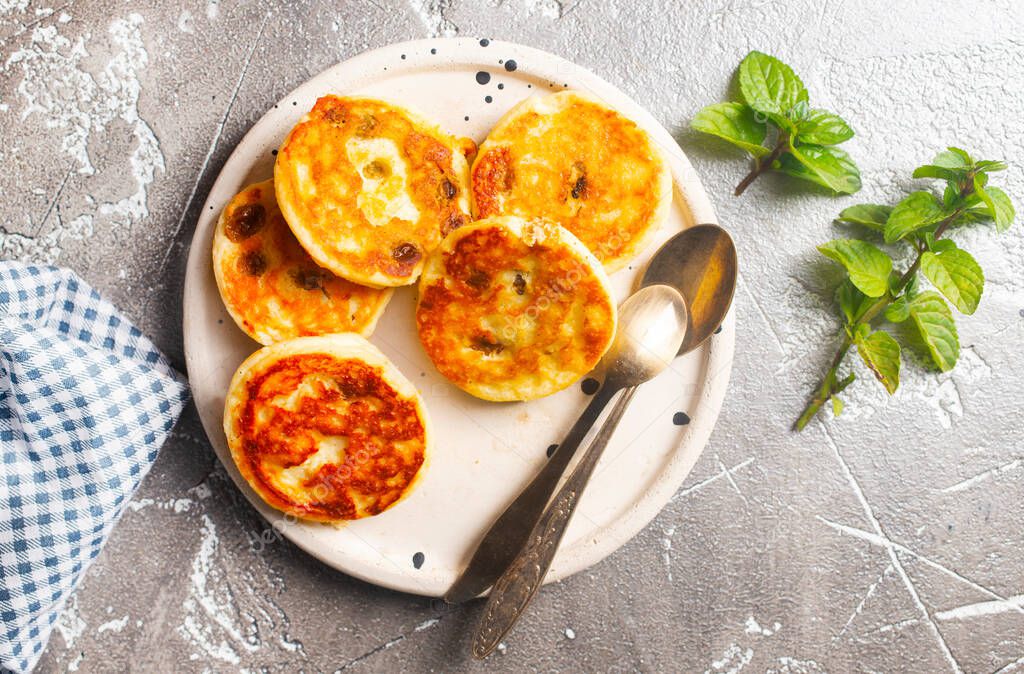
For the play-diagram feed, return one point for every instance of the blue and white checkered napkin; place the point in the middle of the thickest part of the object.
(85, 403)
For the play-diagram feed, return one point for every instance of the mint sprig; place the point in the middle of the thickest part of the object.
(872, 294)
(775, 124)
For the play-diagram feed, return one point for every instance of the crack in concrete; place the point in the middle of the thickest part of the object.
(860, 605)
(763, 313)
(982, 476)
(885, 542)
(393, 641)
(714, 478)
(53, 202)
(890, 549)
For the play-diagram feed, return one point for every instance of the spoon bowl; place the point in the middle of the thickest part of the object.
(699, 262)
(652, 325)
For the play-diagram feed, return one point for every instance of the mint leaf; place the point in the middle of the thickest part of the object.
(868, 266)
(939, 246)
(990, 166)
(935, 322)
(872, 216)
(837, 406)
(898, 311)
(942, 173)
(973, 215)
(918, 210)
(953, 157)
(829, 167)
(957, 275)
(821, 127)
(852, 302)
(770, 86)
(881, 353)
(733, 122)
(998, 204)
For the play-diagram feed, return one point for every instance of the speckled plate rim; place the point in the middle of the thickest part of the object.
(717, 353)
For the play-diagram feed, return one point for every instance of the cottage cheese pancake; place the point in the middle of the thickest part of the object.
(272, 287)
(511, 309)
(370, 188)
(326, 428)
(571, 159)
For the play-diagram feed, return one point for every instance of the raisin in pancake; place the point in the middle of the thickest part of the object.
(270, 285)
(511, 309)
(370, 188)
(571, 159)
(326, 428)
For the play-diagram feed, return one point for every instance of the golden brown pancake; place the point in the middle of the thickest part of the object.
(569, 158)
(511, 309)
(272, 287)
(370, 188)
(326, 428)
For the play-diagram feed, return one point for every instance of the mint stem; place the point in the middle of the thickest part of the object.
(826, 389)
(762, 165)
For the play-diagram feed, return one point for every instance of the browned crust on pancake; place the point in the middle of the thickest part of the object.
(330, 223)
(272, 287)
(273, 429)
(514, 312)
(570, 159)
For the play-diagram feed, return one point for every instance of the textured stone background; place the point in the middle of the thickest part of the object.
(888, 539)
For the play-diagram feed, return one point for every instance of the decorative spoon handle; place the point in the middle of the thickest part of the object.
(509, 532)
(514, 590)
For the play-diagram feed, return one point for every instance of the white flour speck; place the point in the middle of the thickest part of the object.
(212, 9)
(431, 14)
(113, 625)
(12, 6)
(70, 623)
(549, 9)
(793, 666)
(569, 633)
(185, 21)
(666, 550)
(754, 628)
(76, 663)
(732, 661)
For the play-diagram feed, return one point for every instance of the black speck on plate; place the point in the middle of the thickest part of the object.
(488, 99)
(680, 418)
(501, 86)
(718, 329)
(511, 65)
(484, 42)
(483, 77)
(418, 559)
(551, 450)
(590, 386)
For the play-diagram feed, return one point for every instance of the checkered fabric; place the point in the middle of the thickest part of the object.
(85, 403)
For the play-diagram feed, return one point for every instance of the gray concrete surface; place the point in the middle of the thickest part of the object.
(888, 540)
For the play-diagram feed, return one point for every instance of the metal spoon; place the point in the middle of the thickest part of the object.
(684, 261)
(652, 325)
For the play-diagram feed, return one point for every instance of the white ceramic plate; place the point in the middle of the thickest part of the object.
(484, 452)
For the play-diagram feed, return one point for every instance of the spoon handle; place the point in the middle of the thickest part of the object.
(515, 589)
(509, 532)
